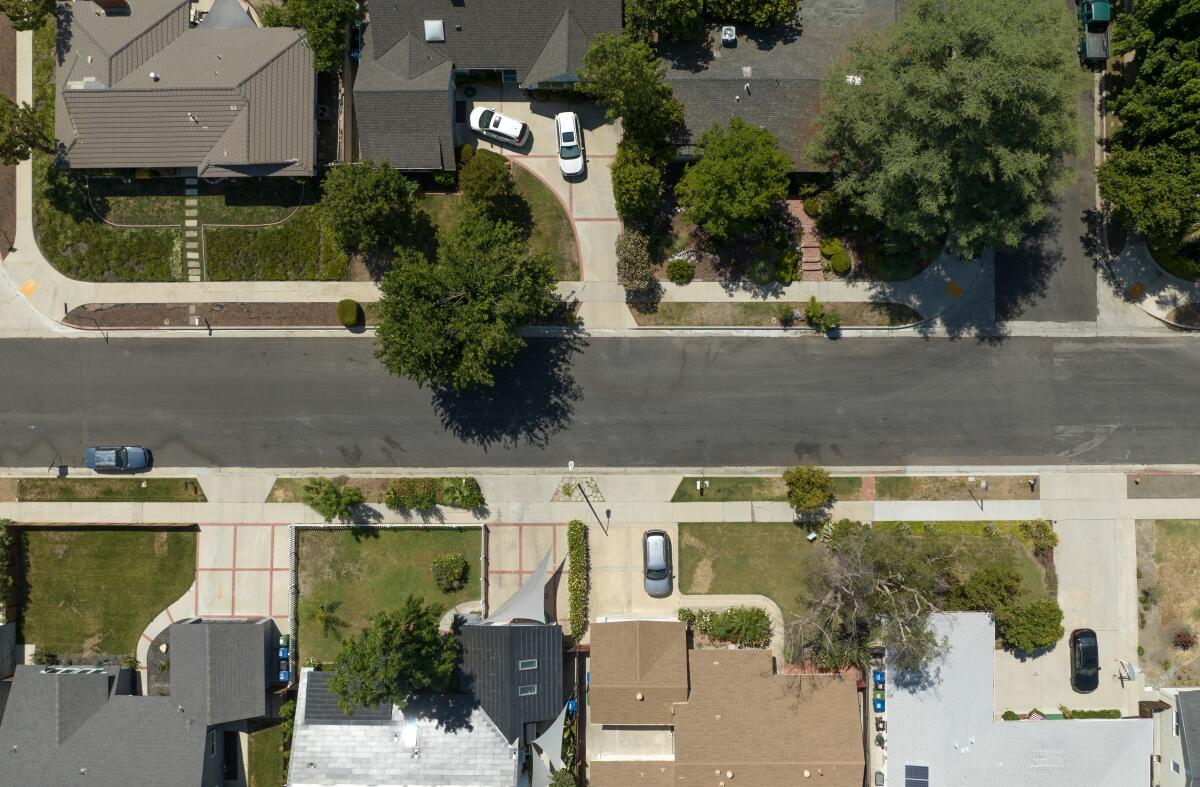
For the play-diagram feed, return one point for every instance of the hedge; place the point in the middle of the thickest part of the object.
(7, 539)
(577, 579)
(422, 494)
(747, 626)
(1108, 713)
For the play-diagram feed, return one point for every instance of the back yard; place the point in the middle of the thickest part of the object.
(347, 575)
(89, 593)
(1169, 598)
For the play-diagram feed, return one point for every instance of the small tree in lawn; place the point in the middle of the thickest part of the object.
(809, 489)
(21, 132)
(368, 205)
(402, 652)
(634, 268)
(740, 177)
(26, 14)
(487, 181)
(451, 324)
(332, 499)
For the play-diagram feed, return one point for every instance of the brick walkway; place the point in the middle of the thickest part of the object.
(810, 243)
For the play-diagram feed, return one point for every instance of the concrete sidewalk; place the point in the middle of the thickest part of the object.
(1141, 281)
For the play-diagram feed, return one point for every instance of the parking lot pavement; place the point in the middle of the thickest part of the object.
(617, 583)
(1097, 588)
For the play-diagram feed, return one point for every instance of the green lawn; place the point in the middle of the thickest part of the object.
(266, 765)
(132, 200)
(110, 490)
(358, 572)
(92, 592)
(728, 488)
(138, 200)
(551, 232)
(298, 249)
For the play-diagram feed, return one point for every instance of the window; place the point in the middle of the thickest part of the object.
(1175, 766)
(526, 664)
(526, 691)
(212, 743)
(1178, 723)
(916, 776)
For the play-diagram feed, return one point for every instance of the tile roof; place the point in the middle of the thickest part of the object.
(635, 657)
(223, 100)
(784, 67)
(631, 773)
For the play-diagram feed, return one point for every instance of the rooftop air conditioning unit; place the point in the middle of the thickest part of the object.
(729, 35)
(435, 31)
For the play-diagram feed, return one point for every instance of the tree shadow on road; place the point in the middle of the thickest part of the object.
(1023, 274)
(531, 400)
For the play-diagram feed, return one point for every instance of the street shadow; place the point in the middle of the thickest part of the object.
(531, 400)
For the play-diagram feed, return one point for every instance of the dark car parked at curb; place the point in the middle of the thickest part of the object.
(119, 459)
(656, 563)
(1085, 661)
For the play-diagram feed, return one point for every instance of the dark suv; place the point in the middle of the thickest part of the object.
(1085, 661)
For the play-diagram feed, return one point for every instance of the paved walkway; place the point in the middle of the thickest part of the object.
(1139, 280)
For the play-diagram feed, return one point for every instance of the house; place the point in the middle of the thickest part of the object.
(771, 77)
(511, 692)
(139, 85)
(414, 50)
(662, 714)
(85, 726)
(1176, 714)
(942, 727)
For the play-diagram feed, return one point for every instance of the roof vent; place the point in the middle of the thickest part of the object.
(729, 35)
(435, 31)
(153, 76)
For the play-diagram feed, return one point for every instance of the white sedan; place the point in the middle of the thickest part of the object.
(570, 143)
(492, 123)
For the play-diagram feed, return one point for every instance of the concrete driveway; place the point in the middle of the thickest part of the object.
(617, 587)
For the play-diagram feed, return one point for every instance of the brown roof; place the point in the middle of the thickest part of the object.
(637, 657)
(767, 729)
(631, 773)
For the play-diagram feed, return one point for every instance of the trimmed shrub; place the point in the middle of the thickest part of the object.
(634, 267)
(349, 313)
(680, 271)
(411, 494)
(839, 263)
(450, 572)
(809, 488)
(1040, 535)
(332, 499)
(749, 626)
(1009, 716)
(462, 493)
(830, 247)
(1184, 639)
(1031, 626)
(687, 616)
(1106, 713)
(816, 315)
(636, 183)
(42, 658)
(465, 152)
(8, 537)
(578, 583)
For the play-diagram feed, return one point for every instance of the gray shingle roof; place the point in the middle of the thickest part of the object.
(224, 100)
(1189, 716)
(226, 14)
(221, 666)
(784, 67)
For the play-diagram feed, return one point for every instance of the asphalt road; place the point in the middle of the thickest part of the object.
(611, 402)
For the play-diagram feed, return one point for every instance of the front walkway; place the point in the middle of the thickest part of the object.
(1141, 281)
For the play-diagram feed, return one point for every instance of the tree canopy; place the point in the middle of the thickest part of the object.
(687, 19)
(21, 132)
(368, 205)
(740, 176)
(956, 121)
(400, 653)
(27, 14)
(451, 322)
(324, 23)
(486, 179)
(625, 75)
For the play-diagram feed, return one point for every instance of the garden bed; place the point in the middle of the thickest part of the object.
(1168, 559)
(298, 249)
(956, 488)
(374, 488)
(722, 489)
(357, 572)
(768, 314)
(110, 490)
(216, 315)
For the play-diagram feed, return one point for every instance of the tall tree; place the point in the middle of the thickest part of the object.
(625, 75)
(21, 132)
(740, 176)
(368, 205)
(27, 14)
(324, 23)
(452, 322)
(401, 653)
(956, 122)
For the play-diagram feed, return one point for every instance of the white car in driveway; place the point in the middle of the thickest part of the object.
(570, 143)
(493, 124)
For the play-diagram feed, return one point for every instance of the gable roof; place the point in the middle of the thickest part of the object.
(221, 666)
(1188, 705)
(784, 67)
(945, 721)
(635, 657)
(490, 673)
(225, 98)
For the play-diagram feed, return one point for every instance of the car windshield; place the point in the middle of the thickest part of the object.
(656, 573)
(485, 118)
(122, 457)
(569, 151)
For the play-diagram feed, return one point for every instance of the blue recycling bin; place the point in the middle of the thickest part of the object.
(283, 653)
(877, 705)
(284, 676)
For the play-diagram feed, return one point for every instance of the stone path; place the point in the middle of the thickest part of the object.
(810, 243)
(191, 231)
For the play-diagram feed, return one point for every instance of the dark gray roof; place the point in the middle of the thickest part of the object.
(1189, 716)
(784, 67)
(490, 673)
(402, 102)
(221, 666)
(321, 705)
(226, 98)
(226, 14)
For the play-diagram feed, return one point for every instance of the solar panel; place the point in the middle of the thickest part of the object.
(916, 775)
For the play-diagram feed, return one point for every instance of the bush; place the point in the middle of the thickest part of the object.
(1031, 626)
(637, 184)
(839, 263)
(450, 572)
(1040, 535)
(465, 152)
(368, 205)
(817, 204)
(1009, 716)
(680, 270)
(1107, 713)
(42, 658)
(634, 267)
(818, 317)
(809, 488)
(686, 616)
(578, 583)
(349, 313)
(988, 589)
(830, 247)
(331, 499)
(445, 178)
(8, 537)
(1184, 639)
(411, 494)
(462, 493)
(750, 626)
(486, 178)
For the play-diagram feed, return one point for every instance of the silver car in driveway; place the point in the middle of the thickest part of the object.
(656, 563)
